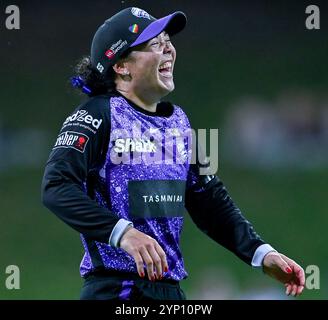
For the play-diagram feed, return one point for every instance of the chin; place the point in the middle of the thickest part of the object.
(171, 87)
(165, 91)
(167, 88)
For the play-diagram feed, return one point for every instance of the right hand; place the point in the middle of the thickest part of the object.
(145, 249)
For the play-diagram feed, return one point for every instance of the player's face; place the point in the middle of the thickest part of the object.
(151, 66)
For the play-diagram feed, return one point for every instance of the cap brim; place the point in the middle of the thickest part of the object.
(172, 24)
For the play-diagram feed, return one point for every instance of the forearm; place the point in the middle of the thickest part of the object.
(65, 197)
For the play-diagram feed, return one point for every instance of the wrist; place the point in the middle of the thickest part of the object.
(118, 231)
(259, 254)
(128, 227)
(267, 256)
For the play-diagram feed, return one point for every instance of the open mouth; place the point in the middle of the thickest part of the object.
(165, 69)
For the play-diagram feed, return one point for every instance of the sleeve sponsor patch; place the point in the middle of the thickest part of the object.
(73, 140)
(83, 119)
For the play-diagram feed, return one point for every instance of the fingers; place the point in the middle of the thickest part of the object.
(296, 286)
(283, 265)
(159, 259)
(149, 263)
(294, 277)
(157, 263)
(293, 289)
(140, 264)
(298, 270)
(288, 288)
(145, 250)
(300, 290)
(299, 273)
(162, 255)
(155, 259)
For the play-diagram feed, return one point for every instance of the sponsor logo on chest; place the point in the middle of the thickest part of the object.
(163, 198)
(134, 144)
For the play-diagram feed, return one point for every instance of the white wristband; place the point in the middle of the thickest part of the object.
(118, 232)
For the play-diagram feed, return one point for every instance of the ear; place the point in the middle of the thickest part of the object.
(121, 68)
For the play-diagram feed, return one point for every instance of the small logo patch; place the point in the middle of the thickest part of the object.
(110, 54)
(72, 139)
(140, 13)
(100, 67)
(115, 47)
(134, 28)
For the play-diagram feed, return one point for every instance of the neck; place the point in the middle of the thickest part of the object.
(143, 103)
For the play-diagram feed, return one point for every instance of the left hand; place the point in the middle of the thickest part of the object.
(285, 270)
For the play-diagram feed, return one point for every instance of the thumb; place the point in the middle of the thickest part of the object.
(283, 265)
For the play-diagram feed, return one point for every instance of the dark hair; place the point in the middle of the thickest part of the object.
(90, 81)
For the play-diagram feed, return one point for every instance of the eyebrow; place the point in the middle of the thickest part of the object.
(156, 38)
(166, 35)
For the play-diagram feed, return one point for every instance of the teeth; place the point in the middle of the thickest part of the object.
(166, 65)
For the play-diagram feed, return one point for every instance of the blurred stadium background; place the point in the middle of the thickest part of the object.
(251, 69)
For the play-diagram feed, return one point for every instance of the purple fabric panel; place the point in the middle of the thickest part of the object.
(126, 290)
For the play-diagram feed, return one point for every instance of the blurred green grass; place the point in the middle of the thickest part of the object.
(287, 208)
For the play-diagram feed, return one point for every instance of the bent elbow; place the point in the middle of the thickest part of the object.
(47, 195)
(45, 199)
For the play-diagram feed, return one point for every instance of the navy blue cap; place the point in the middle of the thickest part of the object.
(128, 28)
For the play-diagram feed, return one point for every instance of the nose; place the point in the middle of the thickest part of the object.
(167, 48)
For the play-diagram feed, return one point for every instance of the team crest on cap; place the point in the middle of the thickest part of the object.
(140, 13)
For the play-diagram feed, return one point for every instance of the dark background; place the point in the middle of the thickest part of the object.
(249, 68)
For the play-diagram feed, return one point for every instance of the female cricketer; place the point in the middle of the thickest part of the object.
(120, 171)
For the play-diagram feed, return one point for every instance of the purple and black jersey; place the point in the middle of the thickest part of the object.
(114, 160)
(143, 181)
